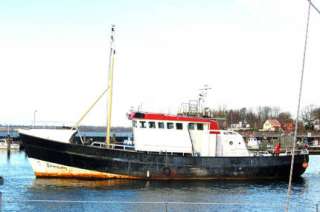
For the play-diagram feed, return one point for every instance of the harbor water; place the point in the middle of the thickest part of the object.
(21, 191)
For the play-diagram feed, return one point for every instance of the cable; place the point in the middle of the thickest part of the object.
(298, 109)
(89, 109)
(314, 7)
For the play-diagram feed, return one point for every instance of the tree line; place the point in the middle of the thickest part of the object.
(309, 117)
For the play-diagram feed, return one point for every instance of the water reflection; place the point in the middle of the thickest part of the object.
(117, 193)
(299, 184)
(0, 199)
(41, 183)
(8, 155)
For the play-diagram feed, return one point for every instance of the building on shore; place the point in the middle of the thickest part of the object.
(271, 125)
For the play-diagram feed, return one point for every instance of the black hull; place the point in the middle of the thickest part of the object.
(112, 163)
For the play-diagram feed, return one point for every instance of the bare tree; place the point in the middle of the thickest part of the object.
(284, 117)
(307, 117)
(243, 113)
(316, 113)
(275, 112)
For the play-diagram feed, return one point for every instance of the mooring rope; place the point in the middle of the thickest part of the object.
(298, 108)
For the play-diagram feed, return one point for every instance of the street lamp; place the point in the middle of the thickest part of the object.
(34, 118)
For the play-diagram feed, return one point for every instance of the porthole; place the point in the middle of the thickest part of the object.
(230, 142)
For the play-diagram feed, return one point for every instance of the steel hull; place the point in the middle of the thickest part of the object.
(55, 159)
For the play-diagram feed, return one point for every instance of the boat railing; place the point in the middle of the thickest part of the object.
(297, 151)
(121, 146)
(131, 148)
(282, 152)
(100, 144)
(112, 146)
(288, 151)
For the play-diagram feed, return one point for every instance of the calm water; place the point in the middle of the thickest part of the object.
(22, 192)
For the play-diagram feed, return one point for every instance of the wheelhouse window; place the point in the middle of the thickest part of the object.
(134, 124)
(199, 126)
(152, 124)
(160, 125)
(143, 124)
(170, 125)
(191, 126)
(179, 126)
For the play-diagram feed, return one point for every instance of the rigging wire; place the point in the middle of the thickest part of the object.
(298, 108)
(89, 109)
(314, 6)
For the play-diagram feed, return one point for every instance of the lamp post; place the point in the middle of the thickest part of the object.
(34, 118)
(8, 130)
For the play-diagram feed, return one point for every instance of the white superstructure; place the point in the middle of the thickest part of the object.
(182, 134)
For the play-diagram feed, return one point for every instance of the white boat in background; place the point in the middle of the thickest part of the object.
(5, 144)
(253, 143)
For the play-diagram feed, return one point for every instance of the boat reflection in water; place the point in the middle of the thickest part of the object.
(8, 152)
(300, 184)
(110, 184)
(137, 195)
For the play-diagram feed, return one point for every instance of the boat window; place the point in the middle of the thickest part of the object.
(179, 126)
(134, 124)
(170, 125)
(152, 124)
(160, 125)
(199, 126)
(230, 142)
(191, 126)
(142, 124)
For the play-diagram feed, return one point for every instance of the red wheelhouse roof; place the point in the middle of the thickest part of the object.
(165, 117)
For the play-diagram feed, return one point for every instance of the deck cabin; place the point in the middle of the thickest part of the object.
(155, 132)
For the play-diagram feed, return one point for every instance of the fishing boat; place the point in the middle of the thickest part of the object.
(187, 146)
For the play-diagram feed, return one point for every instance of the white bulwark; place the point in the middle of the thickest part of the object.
(60, 135)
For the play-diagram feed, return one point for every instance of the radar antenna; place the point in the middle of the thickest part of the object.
(202, 98)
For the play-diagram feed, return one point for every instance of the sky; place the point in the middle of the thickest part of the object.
(54, 56)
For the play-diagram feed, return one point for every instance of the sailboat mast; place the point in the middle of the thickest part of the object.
(110, 84)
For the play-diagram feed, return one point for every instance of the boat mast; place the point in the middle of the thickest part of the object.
(110, 84)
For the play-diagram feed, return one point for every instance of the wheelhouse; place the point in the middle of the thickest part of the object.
(183, 134)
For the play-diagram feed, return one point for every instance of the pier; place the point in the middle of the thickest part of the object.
(314, 150)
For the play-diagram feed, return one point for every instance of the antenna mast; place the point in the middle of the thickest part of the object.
(202, 97)
(110, 83)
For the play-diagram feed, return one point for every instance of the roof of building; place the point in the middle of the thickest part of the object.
(274, 122)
